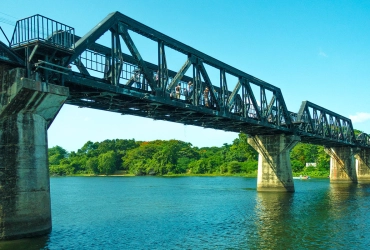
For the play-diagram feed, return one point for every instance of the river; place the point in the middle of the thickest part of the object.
(202, 213)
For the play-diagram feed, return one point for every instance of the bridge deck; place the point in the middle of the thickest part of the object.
(127, 100)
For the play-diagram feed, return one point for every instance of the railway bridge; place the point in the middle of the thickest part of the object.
(44, 65)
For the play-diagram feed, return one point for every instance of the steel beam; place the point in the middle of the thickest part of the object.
(338, 128)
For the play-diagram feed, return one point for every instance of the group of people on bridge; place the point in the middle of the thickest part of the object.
(176, 93)
(188, 92)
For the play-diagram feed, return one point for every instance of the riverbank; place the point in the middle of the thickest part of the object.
(312, 174)
(166, 175)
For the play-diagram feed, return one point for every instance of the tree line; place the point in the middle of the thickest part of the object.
(162, 157)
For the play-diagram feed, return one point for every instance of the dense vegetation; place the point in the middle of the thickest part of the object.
(176, 157)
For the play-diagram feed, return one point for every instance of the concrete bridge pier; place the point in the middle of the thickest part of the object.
(342, 164)
(27, 108)
(274, 168)
(363, 165)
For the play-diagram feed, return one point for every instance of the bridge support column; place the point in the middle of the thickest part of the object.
(363, 165)
(27, 108)
(342, 164)
(274, 169)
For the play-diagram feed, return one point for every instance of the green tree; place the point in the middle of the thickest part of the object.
(240, 150)
(249, 167)
(323, 159)
(182, 165)
(107, 162)
(56, 154)
(297, 166)
(92, 165)
(198, 167)
(89, 149)
(303, 153)
(137, 159)
(234, 167)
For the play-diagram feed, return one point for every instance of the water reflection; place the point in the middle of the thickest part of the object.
(342, 197)
(273, 210)
(25, 244)
(312, 218)
(349, 213)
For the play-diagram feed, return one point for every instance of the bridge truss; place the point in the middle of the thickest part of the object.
(322, 126)
(106, 78)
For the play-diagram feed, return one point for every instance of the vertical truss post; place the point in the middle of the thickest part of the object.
(192, 60)
(47, 71)
(196, 81)
(160, 62)
(243, 102)
(113, 65)
(223, 89)
(198, 86)
(264, 106)
(117, 58)
(278, 113)
(28, 65)
(162, 67)
(107, 67)
(326, 130)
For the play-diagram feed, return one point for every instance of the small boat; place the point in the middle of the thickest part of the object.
(302, 177)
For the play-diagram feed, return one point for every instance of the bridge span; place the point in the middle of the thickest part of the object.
(44, 64)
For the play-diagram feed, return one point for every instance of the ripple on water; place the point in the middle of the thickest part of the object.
(202, 213)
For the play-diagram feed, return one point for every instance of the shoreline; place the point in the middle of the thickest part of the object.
(176, 175)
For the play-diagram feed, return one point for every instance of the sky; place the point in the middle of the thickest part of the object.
(312, 50)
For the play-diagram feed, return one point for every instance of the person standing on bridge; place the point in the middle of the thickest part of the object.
(137, 79)
(206, 97)
(189, 90)
(178, 91)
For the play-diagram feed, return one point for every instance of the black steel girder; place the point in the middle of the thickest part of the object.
(131, 85)
(244, 105)
(318, 125)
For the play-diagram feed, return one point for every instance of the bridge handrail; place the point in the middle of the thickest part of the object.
(95, 59)
(40, 28)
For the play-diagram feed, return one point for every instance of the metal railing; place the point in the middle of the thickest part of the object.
(100, 62)
(39, 28)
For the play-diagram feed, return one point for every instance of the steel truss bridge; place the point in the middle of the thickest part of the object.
(106, 78)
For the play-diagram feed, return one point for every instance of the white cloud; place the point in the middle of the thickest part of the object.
(360, 117)
(322, 53)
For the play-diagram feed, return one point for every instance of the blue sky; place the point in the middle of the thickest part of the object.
(312, 50)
